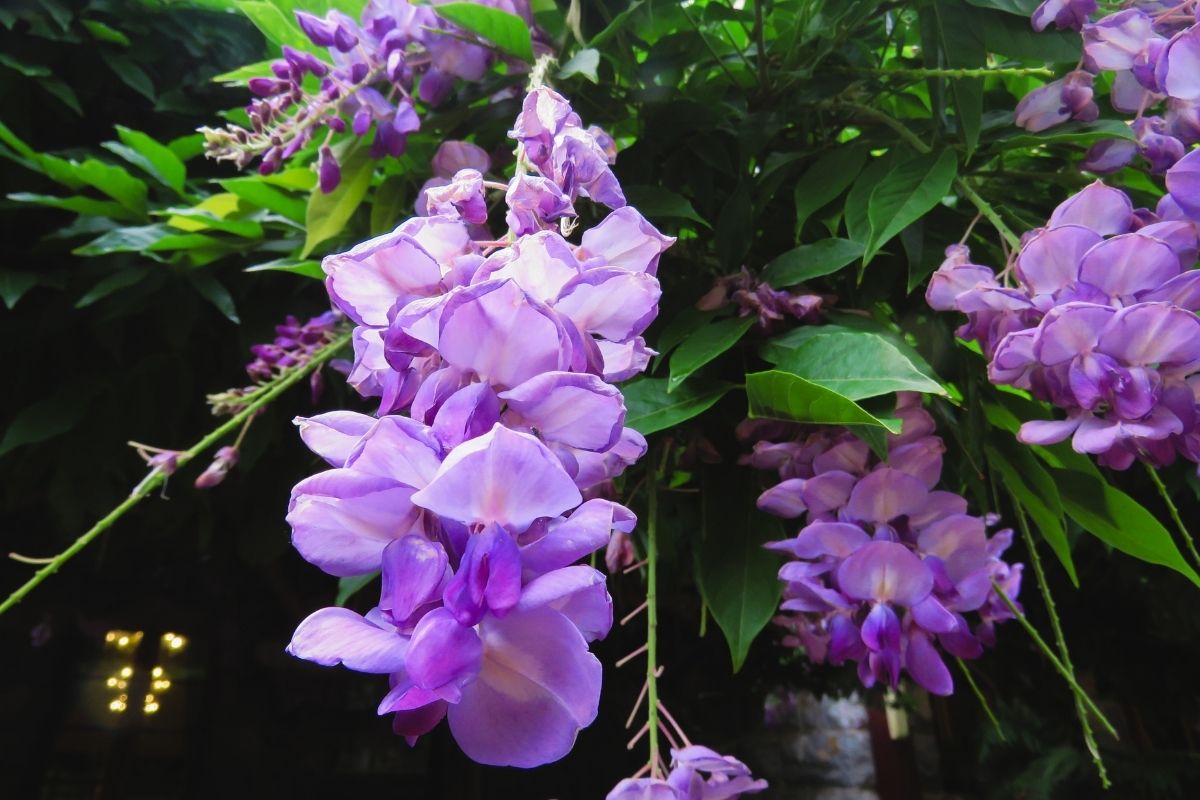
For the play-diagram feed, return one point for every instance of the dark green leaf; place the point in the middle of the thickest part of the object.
(962, 42)
(45, 420)
(781, 395)
(906, 194)
(1120, 521)
(649, 408)
(105, 33)
(737, 577)
(1075, 133)
(617, 23)
(854, 363)
(810, 261)
(118, 280)
(507, 31)
(14, 285)
(655, 201)
(1022, 8)
(735, 227)
(680, 327)
(157, 159)
(328, 214)
(212, 291)
(388, 204)
(705, 344)
(827, 178)
(348, 587)
(858, 225)
(80, 205)
(145, 238)
(1034, 489)
(130, 74)
(1013, 36)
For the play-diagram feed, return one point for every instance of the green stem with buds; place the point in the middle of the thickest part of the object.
(1166, 496)
(652, 616)
(254, 401)
(919, 73)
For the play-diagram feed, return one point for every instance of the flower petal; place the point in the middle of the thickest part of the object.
(332, 636)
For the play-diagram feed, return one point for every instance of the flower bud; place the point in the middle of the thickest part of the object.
(328, 172)
(224, 461)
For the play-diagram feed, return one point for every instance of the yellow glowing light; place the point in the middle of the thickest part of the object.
(161, 685)
(156, 672)
(112, 683)
(168, 636)
(177, 642)
(123, 641)
(150, 708)
(110, 636)
(126, 672)
(121, 684)
(149, 698)
(118, 704)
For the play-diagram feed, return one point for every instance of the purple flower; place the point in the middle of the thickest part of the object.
(1065, 14)
(886, 568)
(225, 460)
(1178, 69)
(1108, 156)
(1183, 183)
(1116, 41)
(1055, 103)
(697, 773)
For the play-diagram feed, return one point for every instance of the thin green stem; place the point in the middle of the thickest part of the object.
(1060, 641)
(716, 57)
(1067, 674)
(652, 616)
(987, 709)
(901, 130)
(1166, 496)
(260, 399)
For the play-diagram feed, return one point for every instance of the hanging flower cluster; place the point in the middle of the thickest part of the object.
(753, 296)
(375, 73)
(1100, 321)
(1153, 53)
(697, 773)
(886, 568)
(502, 353)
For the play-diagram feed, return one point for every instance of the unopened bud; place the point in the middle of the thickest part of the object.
(224, 461)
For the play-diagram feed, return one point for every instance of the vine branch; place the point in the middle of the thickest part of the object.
(1166, 496)
(269, 391)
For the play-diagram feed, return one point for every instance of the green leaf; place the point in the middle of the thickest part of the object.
(1022, 8)
(738, 578)
(827, 178)
(130, 74)
(200, 219)
(241, 75)
(1034, 489)
(105, 33)
(255, 190)
(907, 193)
(507, 31)
(14, 285)
(350, 586)
(735, 227)
(858, 225)
(705, 344)
(145, 238)
(854, 363)
(584, 63)
(114, 282)
(649, 407)
(655, 201)
(16, 143)
(277, 26)
(776, 394)
(680, 327)
(46, 419)
(617, 23)
(156, 158)
(1120, 521)
(810, 261)
(1074, 133)
(1012, 36)
(962, 42)
(80, 205)
(327, 214)
(311, 269)
(388, 203)
(110, 180)
(212, 291)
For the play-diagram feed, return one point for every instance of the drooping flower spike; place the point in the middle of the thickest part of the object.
(1098, 319)
(493, 360)
(888, 572)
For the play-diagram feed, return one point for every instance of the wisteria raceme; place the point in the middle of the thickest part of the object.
(1152, 50)
(502, 353)
(887, 568)
(697, 773)
(753, 296)
(397, 48)
(1096, 314)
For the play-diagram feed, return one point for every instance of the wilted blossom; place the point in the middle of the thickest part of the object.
(372, 77)
(887, 568)
(1098, 319)
(697, 773)
(753, 296)
(1153, 52)
(503, 354)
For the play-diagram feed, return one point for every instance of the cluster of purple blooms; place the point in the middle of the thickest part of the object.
(493, 361)
(1152, 49)
(375, 73)
(887, 568)
(755, 297)
(697, 773)
(1096, 314)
